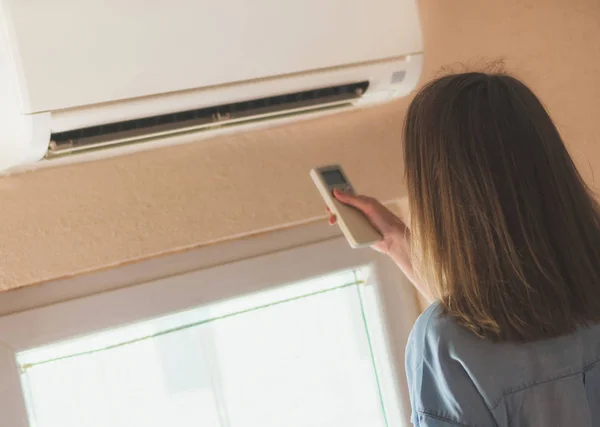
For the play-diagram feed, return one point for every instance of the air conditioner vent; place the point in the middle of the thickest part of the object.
(131, 131)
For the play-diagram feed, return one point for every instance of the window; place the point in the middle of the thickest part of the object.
(282, 339)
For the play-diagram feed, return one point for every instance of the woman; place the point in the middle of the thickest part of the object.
(505, 236)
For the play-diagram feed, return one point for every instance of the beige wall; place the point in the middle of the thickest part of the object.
(63, 221)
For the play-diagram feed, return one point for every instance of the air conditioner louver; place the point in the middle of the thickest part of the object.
(142, 129)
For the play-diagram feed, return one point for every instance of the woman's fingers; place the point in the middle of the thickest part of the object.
(332, 219)
(388, 224)
(380, 216)
(362, 203)
(346, 198)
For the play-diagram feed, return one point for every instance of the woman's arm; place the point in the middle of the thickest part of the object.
(396, 235)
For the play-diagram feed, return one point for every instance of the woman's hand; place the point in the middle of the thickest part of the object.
(396, 235)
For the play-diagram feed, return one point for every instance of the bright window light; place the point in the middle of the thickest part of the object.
(296, 356)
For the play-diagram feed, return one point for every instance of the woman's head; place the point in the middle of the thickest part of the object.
(506, 231)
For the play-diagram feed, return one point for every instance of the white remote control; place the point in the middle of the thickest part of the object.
(356, 227)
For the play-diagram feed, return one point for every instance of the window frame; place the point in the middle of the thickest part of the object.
(34, 317)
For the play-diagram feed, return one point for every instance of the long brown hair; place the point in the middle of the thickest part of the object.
(506, 231)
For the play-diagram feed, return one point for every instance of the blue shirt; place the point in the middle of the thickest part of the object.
(458, 379)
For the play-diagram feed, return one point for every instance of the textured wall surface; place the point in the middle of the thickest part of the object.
(68, 220)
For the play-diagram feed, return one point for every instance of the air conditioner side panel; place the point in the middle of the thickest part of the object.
(23, 137)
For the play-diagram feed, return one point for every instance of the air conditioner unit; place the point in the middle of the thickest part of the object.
(78, 75)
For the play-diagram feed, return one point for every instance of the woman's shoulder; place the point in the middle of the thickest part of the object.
(435, 328)
(432, 318)
(439, 377)
(433, 325)
(439, 341)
